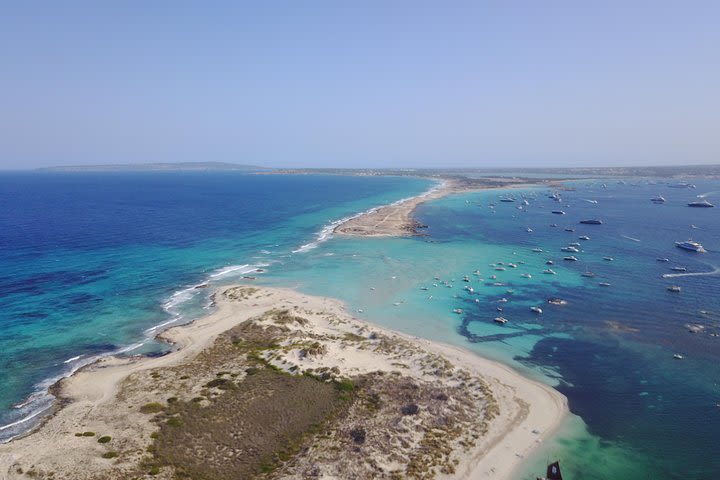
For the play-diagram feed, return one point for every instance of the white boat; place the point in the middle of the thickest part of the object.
(549, 262)
(526, 275)
(570, 249)
(537, 250)
(537, 310)
(658, 199)
(609, 259)
(529, 230)
(701, 204)
(553, 225)
(466, 278)
(500, 269)
(568, 229)
(662, 259)
(500, 320)
(459, 311)
(503, 300)
(690, 245)
(571, 258)
(584, 237)
(557, 301)
(512, 265)
(679, 269)
(588, 274)
(677, 356)
(604, 284)
(549, 271)
(674, 288)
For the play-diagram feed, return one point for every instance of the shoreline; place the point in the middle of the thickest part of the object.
(528, 405)
(397, 220)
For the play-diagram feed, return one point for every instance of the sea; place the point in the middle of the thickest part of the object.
(93, 264)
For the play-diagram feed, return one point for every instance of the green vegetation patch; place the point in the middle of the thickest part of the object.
(152, 407)
(104, 439)
(249, 429)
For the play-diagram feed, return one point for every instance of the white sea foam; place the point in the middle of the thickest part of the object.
(72, 359)
(40, 401)
(327, 231)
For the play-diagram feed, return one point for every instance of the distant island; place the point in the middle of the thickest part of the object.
(498, 173)
(145, 167)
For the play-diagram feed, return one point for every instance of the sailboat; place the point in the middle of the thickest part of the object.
(553, 472)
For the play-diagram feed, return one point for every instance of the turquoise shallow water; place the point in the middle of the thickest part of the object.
(638, 413)
(91, 263)
(610, 350)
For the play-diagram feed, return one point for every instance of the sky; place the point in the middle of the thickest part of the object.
(368, 83)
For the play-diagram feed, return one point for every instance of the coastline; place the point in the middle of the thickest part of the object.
(87, 399)
(396, 219)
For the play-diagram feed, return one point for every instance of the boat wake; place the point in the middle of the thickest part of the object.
(716, 271)
(631, 238)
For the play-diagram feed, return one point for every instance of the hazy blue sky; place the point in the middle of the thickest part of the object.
(386, 83)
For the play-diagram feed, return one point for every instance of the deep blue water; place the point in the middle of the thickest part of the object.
(91, 262)
(612, 348)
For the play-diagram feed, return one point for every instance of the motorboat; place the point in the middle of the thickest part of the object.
(500, 320)
(549, 262)
(679, 269)
(537, 310)
(558, 212)
(592, 221)
(584, 237)
(537, 250)
(568, 229)
(549, 271)
(674, 288)
(556, 301)
(690, 245)
(604, 284)
(459, 311)
(659, 259)
(658, 199)
(571, 258)
(701, 204)
(526, 275)
(609, 259)
(588, 274)
(570, 249)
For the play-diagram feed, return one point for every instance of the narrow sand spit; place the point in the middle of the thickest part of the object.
(396, 220)
(408, 406)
